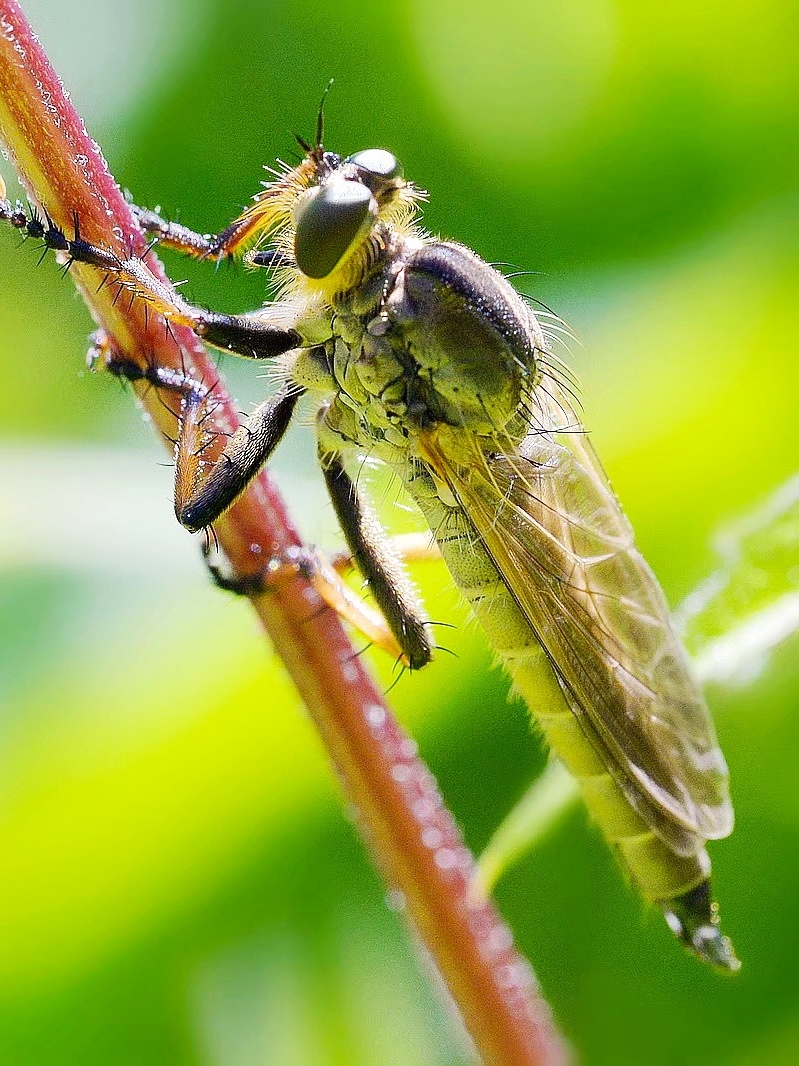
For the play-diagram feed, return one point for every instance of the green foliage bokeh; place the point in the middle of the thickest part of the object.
(180, 881)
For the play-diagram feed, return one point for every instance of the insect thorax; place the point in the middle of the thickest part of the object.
(431, 335)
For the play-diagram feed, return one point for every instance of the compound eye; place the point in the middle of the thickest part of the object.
(378, 164)
(328, 220)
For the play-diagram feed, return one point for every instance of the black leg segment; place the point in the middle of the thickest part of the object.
(246, 452)
(371, 549)
(245, 335)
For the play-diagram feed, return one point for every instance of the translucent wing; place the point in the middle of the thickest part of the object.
(554, 529)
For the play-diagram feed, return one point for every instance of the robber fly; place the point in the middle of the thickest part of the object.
(419, 354)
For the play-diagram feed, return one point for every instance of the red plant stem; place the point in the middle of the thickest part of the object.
(399, 809)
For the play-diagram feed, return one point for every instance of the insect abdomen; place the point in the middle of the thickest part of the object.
(674, 882)
(659, 872)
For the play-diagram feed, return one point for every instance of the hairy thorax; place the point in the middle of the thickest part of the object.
(431, 335)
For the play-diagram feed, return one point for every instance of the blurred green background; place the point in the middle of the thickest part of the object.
(179, 880)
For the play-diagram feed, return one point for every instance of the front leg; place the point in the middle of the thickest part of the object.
(214, 246)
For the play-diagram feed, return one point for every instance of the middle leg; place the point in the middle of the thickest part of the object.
(262, 334)
(201, 497)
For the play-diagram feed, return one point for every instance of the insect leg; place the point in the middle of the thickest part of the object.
(202, 496)
(261, 334)
(213, 246)
(205, 489)
(371, 548)
(328, 584)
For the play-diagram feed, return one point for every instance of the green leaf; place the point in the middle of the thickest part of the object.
(750, 604)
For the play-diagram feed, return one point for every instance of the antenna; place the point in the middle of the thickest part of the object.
(320, 115)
